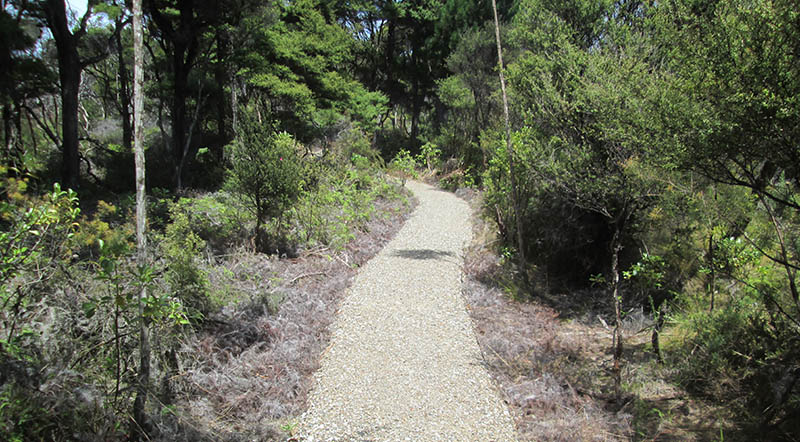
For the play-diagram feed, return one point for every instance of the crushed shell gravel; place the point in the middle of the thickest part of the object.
(403, 362)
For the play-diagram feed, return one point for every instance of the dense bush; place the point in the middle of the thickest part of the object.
(340, 198)
(183, 250)
(265, 172)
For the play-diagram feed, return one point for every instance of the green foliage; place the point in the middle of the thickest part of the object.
(34, 236)
(265, 170)
(105, 227)
(471, 95)
(295, 60)
(183, 250)
(218, 219)
(353, 143)
(430, 156)
(663, 127)
(341, 202)
(404, 165)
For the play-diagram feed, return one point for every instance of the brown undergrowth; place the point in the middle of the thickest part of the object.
(246, 374)
(551, 358)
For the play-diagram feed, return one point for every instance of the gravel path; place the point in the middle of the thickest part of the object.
(404, 363)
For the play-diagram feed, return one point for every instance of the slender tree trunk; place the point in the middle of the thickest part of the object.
(125, 94)
(181, 77)
(221, 76)
(655, 340)
(7, 130)
(143, 380)
(234, 106)
(712, 276)
(616, 341)
(70, 76)
(509, 145)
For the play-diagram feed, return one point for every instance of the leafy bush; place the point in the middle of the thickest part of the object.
(182, 249)
(265, 172)
(218, 218)
(33, 240)
(403, 165)
(340, 202)
(353, 143)
(429, 156)
(106, 227)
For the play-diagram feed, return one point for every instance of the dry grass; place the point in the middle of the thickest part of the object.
(551, 358)
(248, 372)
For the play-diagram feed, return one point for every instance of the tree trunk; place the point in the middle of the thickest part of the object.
(125, 94)
(143, 378)
(69, 73)
(221, 76)
(8, 131)
(181, 75)
(712, 277)
(655, 340)
(509, 146)
(616, 340)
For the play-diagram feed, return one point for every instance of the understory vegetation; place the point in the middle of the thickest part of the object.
(653, 149)
(637, 166)
(238, 333)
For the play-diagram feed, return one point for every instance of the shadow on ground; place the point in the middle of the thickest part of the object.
(423, 254)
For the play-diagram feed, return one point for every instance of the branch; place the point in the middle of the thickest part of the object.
(766, 254)
(53, 137)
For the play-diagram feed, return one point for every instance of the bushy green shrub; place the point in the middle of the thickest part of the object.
(106, 226)
(32, 243)
(429, 156)
(220, 219)
(183, 250)
(341, 201)
(403, 165)
(265, 172)
(353, 143)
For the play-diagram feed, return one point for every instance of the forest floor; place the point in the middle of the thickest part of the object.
(550, 354)
(252, 369)
(247, 373)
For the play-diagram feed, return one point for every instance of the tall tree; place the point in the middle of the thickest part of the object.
(141, 214)
(180, 25)
(509, 143)
(23, 76)
(70, 66)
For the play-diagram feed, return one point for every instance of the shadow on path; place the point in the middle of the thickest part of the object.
(423, 254)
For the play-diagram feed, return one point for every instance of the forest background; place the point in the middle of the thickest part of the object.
(654, 150)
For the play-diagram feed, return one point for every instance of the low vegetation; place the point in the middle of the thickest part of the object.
(653, 207)
(237, 333)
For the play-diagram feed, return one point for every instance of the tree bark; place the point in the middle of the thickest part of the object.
(69, 73)
(124, 90)
(182, 38)
(616, 340)
(181, 77)
(143, 377)
(221, 76)
(509, 145)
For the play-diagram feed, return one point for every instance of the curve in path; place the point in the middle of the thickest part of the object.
(403, 362)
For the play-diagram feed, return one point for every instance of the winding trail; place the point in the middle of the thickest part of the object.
(403, 362)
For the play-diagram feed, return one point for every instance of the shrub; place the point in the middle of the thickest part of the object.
(353, 143)
(404, 165)
(429, 156)
(218, 218)
(33, 238)
(107, 226)
(182, 249)
(265, 172)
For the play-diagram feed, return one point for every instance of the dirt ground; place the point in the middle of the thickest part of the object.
(550, 354)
